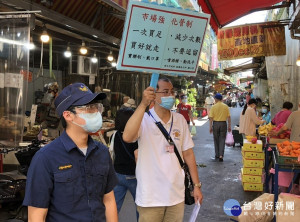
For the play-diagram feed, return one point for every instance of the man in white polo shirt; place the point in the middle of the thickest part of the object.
(160, 179)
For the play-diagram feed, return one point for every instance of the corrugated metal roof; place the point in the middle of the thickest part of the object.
(85, 11)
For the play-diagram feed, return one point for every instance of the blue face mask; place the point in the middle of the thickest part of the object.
(93, 121)
(264, 110)
(184, 100)
(167, 102)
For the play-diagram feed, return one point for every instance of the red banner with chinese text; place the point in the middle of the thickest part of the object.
(250, 41)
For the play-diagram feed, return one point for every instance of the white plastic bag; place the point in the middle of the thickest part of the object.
(229, 139)
(193, 130)
(195, 212)
(111, 147)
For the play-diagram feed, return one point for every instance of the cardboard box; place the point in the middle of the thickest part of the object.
(253, 171)
(251, 178)
(253, 186)
(253, 163)
(253, 155)
(248, 146)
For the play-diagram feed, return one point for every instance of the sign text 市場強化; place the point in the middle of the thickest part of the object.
(162, 39)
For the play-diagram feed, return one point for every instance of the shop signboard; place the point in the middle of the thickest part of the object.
(250, 41)
(161, 39)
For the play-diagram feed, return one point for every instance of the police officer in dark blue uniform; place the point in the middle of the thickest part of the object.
(72, 178)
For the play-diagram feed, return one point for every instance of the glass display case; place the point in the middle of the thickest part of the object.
(14, 74)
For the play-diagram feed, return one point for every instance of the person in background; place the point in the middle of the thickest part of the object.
(125, 158)
(125, 100)
(293, 124)
(249, 119)
(259, 104)
(72, 178)
(185, 109)
(130, 104)
(209, 102)
(160, 187)
(283, 115)
(52, 120)
(248, 97)
(218, 116)
(266, 113)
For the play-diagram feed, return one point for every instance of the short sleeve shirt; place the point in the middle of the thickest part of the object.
(160, 179)
(184, 110)
(219, 112)
(68, 183)
(293, 123)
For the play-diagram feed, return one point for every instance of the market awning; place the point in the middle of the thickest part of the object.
(235, 69)
(225, 11)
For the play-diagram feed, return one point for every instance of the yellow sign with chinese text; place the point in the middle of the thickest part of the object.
(251, 41)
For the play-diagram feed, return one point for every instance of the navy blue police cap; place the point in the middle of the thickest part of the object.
(76, 94)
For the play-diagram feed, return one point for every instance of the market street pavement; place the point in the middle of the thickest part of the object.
(220, 180)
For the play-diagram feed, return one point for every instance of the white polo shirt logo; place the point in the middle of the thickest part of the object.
(176, 134)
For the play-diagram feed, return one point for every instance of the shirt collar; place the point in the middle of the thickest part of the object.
(156, 117)
(69, 143)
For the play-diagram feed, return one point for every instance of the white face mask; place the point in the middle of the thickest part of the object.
(93, 121)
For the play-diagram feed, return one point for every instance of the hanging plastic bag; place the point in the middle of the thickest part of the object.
(229, 139)
(193, 130)
(195, 212)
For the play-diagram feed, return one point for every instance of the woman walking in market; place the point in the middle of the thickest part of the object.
(249, 119)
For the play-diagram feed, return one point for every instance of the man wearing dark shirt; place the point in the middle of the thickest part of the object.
(72, 178)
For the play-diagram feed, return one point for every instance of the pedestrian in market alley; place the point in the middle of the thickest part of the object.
(160, 187)
(293, 124)
(249, 119)
(185, 109)
(209, 102)
(72, 178)
(218, 116)
(125, 159)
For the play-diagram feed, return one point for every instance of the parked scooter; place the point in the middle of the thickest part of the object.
(12, 184)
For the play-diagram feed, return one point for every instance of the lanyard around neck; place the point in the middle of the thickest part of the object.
(157, 122)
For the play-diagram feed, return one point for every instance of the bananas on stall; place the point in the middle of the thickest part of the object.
(265, 129)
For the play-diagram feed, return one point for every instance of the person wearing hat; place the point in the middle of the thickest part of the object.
(130, 104)
(72, 178)
(219, 124)
(209, 102)
(125, 100)
(266, 113)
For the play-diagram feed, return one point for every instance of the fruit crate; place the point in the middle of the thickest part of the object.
(253, 186)
(287, 159)
(253, 155)
(253, 163)
(253, 171)
(251, 178)
(248, 146)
